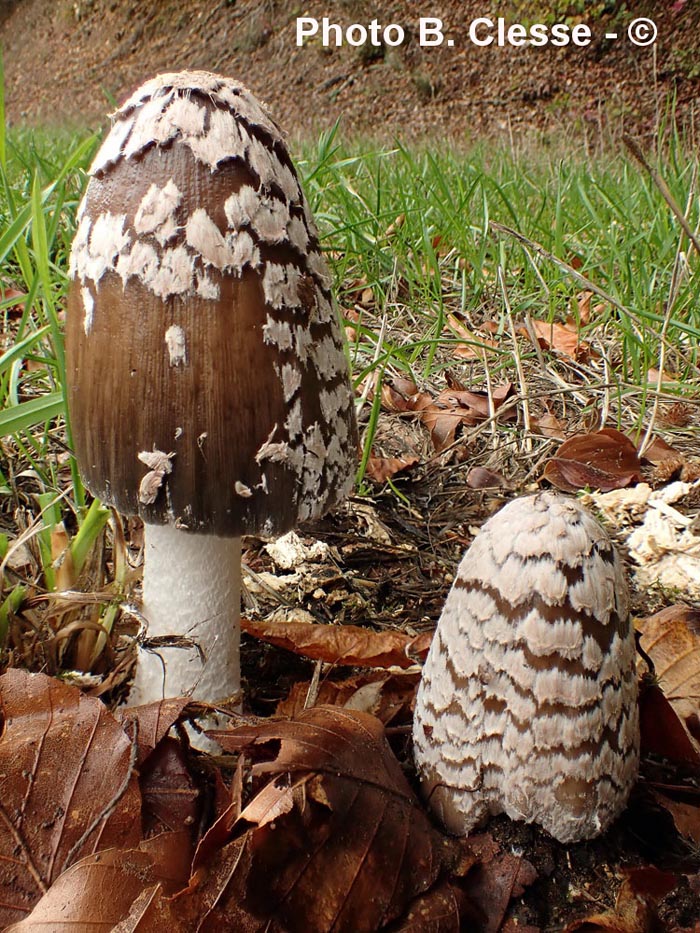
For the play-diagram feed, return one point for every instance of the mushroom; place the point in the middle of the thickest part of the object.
(528, 700)
(207, 375)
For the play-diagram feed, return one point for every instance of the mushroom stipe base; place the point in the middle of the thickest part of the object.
(199, 606)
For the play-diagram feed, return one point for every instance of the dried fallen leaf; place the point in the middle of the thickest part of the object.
(605, 460)
(107, 888)
(662, 732)
(335, 644)
(380, 469)
(335, 841)
(497, 879)
(474, 345)
(671, 638)
(389, 697)
(481, 478)
(69, 785)
(151, 723)
(560, 337)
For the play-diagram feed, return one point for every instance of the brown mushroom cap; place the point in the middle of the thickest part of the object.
(208, 380)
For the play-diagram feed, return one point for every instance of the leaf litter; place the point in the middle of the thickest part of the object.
(451, 450)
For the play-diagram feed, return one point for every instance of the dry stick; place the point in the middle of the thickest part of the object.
(672, 295)
(527, 441)
(664, 190)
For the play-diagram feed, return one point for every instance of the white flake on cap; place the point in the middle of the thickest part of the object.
(298, 234)
(89, 305)
(206, 239)
(278, 333)
(107, 239)
(281, 285)
(222, 140)
(176, 344)
(175, 275)
(291, 380)
(140, 261)
(156, 212)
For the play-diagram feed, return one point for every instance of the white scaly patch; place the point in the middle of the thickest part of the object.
(223, 140)
(278, 333)
(111, 149)
(281, 285)
(291, 380)
(206, 239)
(107, 239)
(160, 465)
(156, 213)
(176, 344)
(528, 699)
(140, 261)
(298, 234)
(89, 305)
(175, 275)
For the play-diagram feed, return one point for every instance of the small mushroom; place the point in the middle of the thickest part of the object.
(208, 380)
(528, 699)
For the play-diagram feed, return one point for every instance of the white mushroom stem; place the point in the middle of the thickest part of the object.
(192, 591)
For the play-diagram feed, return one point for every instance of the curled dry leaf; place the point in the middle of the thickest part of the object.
(671, 638)
(389, 697)
(348, 645)
(69, 786)
(474, 345)
(150, 723)
(481, 478)
(605, 460)
(662, 732)
(380, 469)
(564, 338)
(335, 841)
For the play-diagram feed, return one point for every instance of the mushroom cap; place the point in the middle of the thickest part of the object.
(207, 373)
(528, 699)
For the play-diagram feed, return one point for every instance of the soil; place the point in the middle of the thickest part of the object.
(71, 61)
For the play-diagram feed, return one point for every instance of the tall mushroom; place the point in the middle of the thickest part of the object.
(208, 380)
(528, 700)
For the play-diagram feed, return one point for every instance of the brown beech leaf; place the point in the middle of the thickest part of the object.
(116, 890)
(389, 697)
(497, 879)
(455, 407)
(560, 337)
(671, 638)
(335, 840)
(170, 795)
(69, 785)
(481, 478)
(349, 645)
(474, 345)
(446, 908)
(658, 451)
(550, 426)
(605, 460)
(635, 907)
(380, 469)
(685, 816)
(152, 722)
(662, 732)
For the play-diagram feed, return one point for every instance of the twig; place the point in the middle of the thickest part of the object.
(518, 364)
